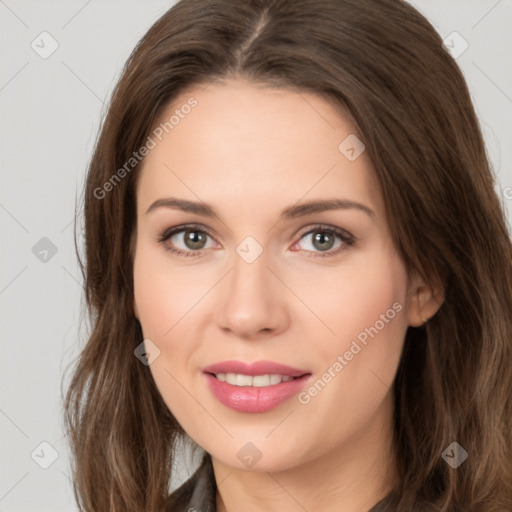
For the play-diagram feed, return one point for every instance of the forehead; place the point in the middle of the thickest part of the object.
(254, 143)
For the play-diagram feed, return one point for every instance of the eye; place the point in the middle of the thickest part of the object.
(326, 238)
(191, 240)
(187, 240)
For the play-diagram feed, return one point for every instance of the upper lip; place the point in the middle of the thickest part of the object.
(256, 368)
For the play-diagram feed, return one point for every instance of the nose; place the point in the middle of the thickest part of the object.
(253, 302)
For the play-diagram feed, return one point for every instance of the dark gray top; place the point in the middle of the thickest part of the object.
(199, 493)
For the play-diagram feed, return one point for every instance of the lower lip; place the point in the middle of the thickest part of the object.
(255, 399)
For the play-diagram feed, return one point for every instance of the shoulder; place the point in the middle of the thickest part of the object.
(198, 493)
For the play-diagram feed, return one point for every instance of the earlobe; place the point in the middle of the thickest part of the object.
(424, 302)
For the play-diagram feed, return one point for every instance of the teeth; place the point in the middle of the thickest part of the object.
(237, 379)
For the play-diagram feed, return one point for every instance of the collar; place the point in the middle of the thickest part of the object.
(199, 494)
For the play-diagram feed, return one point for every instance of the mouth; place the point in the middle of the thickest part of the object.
(238, 373)
(257, 381)
(254, 388)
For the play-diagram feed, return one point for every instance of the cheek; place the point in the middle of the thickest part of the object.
(365, 307)
(362, 300)
(170, 303)
(378, 327)
(163, 295)
(165, 301)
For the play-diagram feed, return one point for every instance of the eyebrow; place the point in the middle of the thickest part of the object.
(291, 212)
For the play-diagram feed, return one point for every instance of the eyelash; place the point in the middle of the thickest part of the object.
(347, 239)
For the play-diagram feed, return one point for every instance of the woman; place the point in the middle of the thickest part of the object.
(296, 261)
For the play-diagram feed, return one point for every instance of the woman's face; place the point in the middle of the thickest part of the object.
(265, 275)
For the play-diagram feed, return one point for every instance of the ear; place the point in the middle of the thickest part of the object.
(424, 299)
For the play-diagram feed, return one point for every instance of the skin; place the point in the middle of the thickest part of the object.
(251, 151)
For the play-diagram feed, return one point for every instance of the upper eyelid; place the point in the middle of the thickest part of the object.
(167, 233)
(302, 232)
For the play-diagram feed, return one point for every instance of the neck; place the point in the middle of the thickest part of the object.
(354, 476)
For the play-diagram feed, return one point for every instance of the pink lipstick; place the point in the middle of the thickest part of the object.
(256, 387)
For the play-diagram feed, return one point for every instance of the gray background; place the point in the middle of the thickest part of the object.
(51, 110)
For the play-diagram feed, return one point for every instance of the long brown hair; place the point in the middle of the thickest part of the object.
(384, 63)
